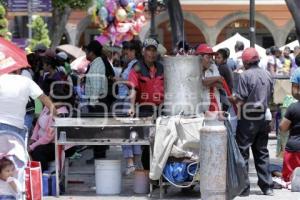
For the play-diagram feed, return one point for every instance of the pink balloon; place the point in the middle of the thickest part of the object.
(111, 6)
(103, 39)
(123, 27)
(112, 29)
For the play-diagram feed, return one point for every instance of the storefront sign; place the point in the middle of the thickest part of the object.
(37, 6)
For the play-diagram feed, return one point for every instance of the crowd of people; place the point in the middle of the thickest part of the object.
(131, 83)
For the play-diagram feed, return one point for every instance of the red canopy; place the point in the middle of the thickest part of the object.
(11, 57)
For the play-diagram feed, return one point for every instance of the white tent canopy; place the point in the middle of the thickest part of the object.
(292, 45)
(230, 43)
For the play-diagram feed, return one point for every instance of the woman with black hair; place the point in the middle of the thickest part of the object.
(132, 53)
(51, 74)
(98, 87)
(41, 144)
(99, 79)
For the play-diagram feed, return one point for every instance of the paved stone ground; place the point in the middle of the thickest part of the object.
(85, 190)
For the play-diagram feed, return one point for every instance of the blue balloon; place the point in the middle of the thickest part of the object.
(100, 3)
(110, 19)
(103, 13)
(124, 3)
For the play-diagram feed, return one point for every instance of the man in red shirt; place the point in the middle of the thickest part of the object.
(146, 82)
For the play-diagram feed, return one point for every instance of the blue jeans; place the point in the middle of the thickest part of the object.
(28, 121)
(131, 150)
(7, 197)
(6, 127)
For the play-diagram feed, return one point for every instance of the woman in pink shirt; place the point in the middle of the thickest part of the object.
(41, 144)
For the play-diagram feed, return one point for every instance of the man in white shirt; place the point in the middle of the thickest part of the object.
(211, 79)
(15, 91)
(274, 64)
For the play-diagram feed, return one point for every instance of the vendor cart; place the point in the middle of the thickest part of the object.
(100, 131)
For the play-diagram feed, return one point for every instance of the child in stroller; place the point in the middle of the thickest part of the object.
(13, 160)
(9, 186)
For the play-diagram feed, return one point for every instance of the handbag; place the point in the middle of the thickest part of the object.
(33, 181)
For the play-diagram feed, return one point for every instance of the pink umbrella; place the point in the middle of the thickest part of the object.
(80, 64)
(11, 57)
(72, 50)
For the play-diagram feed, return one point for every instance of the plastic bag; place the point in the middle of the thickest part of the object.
(237, 174)
(178, 173)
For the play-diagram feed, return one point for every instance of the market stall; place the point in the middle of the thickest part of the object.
(99, 131)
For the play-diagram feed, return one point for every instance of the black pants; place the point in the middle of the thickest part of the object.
(46, 153)
(146, 111)
(253, 133)
(100, 151)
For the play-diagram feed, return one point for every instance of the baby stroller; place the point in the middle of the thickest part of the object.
(13, 147)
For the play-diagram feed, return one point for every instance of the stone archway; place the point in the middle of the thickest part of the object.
(194, 19)
(70, 33)
(286, 30)
(265, 21)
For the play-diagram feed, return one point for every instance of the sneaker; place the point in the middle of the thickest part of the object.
(245, 193)
(278, 183)
(277, 186)
(129, 170)
(268, 192)
(289, 186)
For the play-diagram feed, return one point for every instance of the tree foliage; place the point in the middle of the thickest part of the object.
(4, 3)
(75, 4)
(40, 33)
(4, 24)
(60, 15)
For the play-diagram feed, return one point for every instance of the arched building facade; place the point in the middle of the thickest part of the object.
(210, 21)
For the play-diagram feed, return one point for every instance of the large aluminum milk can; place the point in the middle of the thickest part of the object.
(182, 84)
(213, 160)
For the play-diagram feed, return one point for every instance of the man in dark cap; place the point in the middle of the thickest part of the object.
(147, 78)
(252, 97)
(147, 87)
(39, 49)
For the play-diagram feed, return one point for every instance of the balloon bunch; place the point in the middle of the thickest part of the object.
(119, 20)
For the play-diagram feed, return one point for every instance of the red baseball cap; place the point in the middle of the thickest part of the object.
(250, 55)
(204, 49)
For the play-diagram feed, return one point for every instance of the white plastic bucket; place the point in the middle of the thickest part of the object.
(141, 182)
(108, 177)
